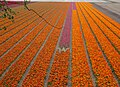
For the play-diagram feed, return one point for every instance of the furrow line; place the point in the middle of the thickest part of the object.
(117, 25)
(14, 32)
(114, 41)
(80, 69)
(19, 24)
(110, 70)
(23, 44)
(94, 79)
(52, 59)
(3, 47)
(34, 58)
(107, 24)
(43, 59)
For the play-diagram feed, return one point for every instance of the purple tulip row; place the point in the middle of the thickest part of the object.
(12, 3)
(65, 38)
(73, 5)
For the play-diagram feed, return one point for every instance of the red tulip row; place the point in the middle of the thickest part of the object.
(20, 66)
(80, 69)
(110, 52)
(38, 71)
(20, 35)
(16, 51)
(114, 39)
(102, 71)
(59, 71)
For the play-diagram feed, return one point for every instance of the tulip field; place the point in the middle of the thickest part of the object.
(79, 48)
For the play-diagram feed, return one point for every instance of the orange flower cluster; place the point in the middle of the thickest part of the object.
(21, 65)
(22, 14)
(102, 71)
(12, 26)
(8, 43)
(112, 55)
(106, 17)
(17, 21)
(59, 71)
(80, 69)
(13, 53)
(38, 71)
(17, 16)
(109, 30)
(20, 24)
(20, 35)
(28, 51)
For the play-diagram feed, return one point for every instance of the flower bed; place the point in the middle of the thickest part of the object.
(20, 66)
(65, 39)
(73, 6)
(12, 54)
(39, 68)
(20, 35)
(111, 54)
(59, 71)
(102, 71)
(80, 69)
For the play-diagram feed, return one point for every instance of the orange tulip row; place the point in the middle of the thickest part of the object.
(107, 31)
(110, 52)
(102, 71)
(21, 12)
(22, 20)
(59, 71)
(22, 17)
(17, 20)
(20, 35)
(14, 31)
(10, 33)
(13, 40)
(16, 51)
(38, 71)
(112, 55)
(105, 16)
(80, 69)
(21, 65)
(19, 51)
(16, 24)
